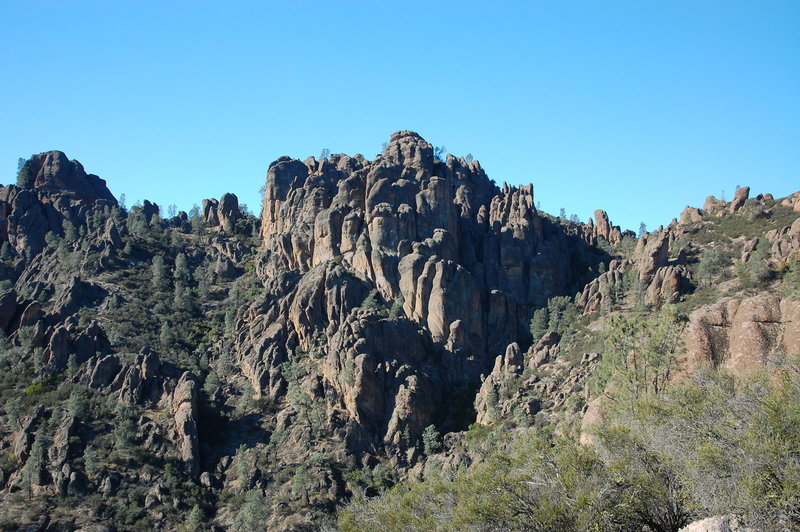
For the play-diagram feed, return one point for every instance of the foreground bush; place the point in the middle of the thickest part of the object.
(715, 445)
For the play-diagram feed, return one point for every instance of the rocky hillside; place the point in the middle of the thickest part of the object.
(215, 370)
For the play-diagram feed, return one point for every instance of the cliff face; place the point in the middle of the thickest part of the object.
(373, 300)
(463, 258)
(55, 189)
(372, 312)
(456, 263)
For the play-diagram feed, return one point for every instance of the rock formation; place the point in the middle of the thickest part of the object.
(317, 351)
(742, 334)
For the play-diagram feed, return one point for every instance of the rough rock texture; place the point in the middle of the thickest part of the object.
(604, 229)
(651, 253)
(714, 206)
(506, 367)
(691, 214)
(544, 394)
(742, 333)
(53, 172)
(717, 523)
(184, 411)
(739, 198)
(222, 213)
(667, 285)
(785, 243)
(456, 262)
(57, 190)
(601, 293)
(418, 229)
(23, 439)
(792, 201)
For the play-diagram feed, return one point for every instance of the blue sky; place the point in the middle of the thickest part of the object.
(638, 107)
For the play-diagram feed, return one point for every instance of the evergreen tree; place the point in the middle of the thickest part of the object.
(182, 273)
(166, 337)
(91, 464)
(431, 440)
(32, 470)
(14, 413)
(25, 177)
(124, 431)
(539, 323)
(252, 514)
(159, 274)
(195, 519)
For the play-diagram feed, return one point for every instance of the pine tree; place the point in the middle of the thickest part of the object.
(14, 412)
(431, 440)
(182, 273)
(539, 323)
(196, 519)
(25, 177)
(32, 470)
(252, 514)
(159, 274)
(90, 462)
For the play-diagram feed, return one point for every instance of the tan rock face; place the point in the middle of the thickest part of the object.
(651, 253)
(458, 251)
(743, 334)
(691, 214)
(57, 190)
(714, 206)
(459, 261)
(184, 411)
(667, 284)
(601, 292)
(604, 229)
(222, 213)
(54, 172)
(739, 198)
(785, 243)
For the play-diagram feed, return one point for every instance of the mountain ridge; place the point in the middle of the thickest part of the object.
(370, 314)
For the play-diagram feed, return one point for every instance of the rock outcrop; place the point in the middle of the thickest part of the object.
(739, 198)
(54, 190)
(742, 334)
(604, 229)
(419, 228)
(416, 271)
(52, 172)
(223, 213)
(184, 411)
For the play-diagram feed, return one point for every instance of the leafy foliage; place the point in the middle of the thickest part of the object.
(715, 445)
(559, 316)
(641, 353)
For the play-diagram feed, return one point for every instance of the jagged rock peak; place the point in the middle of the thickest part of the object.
(53, 172)
(410, 149)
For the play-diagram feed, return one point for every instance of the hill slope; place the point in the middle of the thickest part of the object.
(216, 369)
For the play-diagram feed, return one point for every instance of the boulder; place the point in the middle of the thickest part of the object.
(228, 210)
(103, 371)
(651, 253)
(691, 214)
(150, 210)
(717, 523)
(210, 216)
(739, 198)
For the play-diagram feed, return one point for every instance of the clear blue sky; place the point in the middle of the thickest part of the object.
(638, 107)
